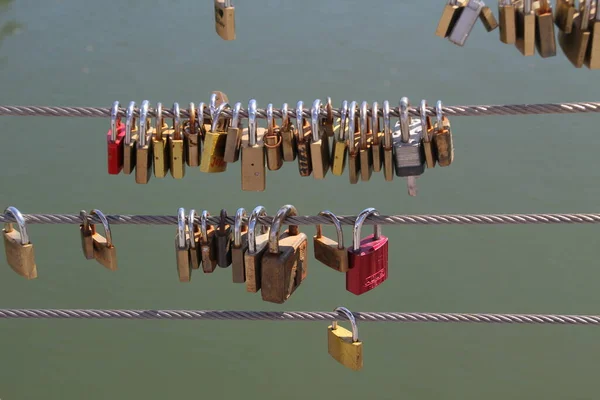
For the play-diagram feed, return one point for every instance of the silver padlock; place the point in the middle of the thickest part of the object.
(466, 22)
(409, 157)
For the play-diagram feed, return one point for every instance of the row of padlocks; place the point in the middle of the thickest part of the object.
(319, 144)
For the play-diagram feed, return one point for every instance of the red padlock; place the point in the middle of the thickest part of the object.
(367, 258)
(114, 140)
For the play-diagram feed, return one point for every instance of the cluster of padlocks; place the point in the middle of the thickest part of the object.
(268, 260)
(529, 25)
(317, 144)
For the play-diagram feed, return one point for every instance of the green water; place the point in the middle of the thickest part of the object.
(84, 53)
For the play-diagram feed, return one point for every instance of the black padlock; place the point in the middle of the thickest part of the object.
(223, 241)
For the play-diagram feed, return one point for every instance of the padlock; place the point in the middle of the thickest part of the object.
(114, 141)
(105, 252)
(233, 141)
(257, 245)
(367, 258)
(592, 57)
(427, 135)
(223, 241)
(191, 137)
(273, 142)
(376, 138)
(129, 143)
(225, 19)
(253, 156)
(86, 233)
(545, 40)
(465, 23)
(328, 123)
(565, 14)
(353, 158)
(408, 149)
(303, 141)
(160, 147)
(143, 157)
(525, 22)
(343, 345)
(213, 158)
(285, 264)
(340, 144)
(17, 246)
(450, 16)
(575, 44)
(364, 152)
(239, 247)
(288, 136)
(216, 99)
(388, 148)
(176, 148)
(208, 249)
(508, 27)
(184, 268)
(486, 16)
(328, 251)
(442, 138)
(194, 235)
(319, 146)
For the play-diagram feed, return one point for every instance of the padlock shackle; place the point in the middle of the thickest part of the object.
(439, 115)
(240, 214)
(360, 220)
(105, 224)
(375, 122)
(286, 211)
(180, 239)
(351, 127)
(204, 225)
(338, 227)
(425, 122)
(300, 121)
(222, 221)
(352, 320)
(363, 125)
(176, 122)
(387, 125)
(144, 109)
(129, 122)
(404, 120)
(159, 121)
(343, 121)
(192, 227)
(235, 118)
(215, 121)
(114, 121)
(315, 119)
(212, 105)
(252, 130)
(20, 222)
(259, 211)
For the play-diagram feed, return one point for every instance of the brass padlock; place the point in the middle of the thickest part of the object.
(160, 147)
(143, 157)
(343, 345)
(129, 144)
(303, 141)
(225, 19)
(565, 13)
(486, 16)
(191, 137)
(288, 136)
(257, 245)
(194, 235)
(340, 144)
(353, 159)
(377, 135)
(239, 247)
(285, 264)
(184, 269)
(364, 152)
(86, 233)
(17, 246)
(319, 146)
(253, 156)
(388, 147)
(592, 57)
(575, 44)
(234, 136)
(508, 27)
(450, 15)
(427, 135)
(176, 148)
(208, 249)
(442, 139)
(213, 158)
(328, 251)
(525, 21)
(104, 250)
(273, 141)
(545, 40)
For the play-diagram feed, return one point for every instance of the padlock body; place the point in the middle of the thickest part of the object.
(160, 151)
(87, 243)
(327, 252)
(143, 169)
(223, 247)
(224, 21)
(253, 263)
(283, 272)
(341, 347)
(303, 153)
(129, 153)
(338, 156)
(545, 39)
(507, 23)
(233, 141)
(353, 167)
(208, 251)
(177, 159)
(192, 146)
(288, 144)
(592, 57)
(274, 152)
(525, 39)
(184, 269)
(115, 150)
(444, 144)
(253, 168)
(104, 254)
(450, 15)
(487, 19)
(20, 257)
(366, 163)
(194, 252)
(388, 163)
(575, 44)
(238, 270)
(564, 15)
(214, 152)
(377, 153)
(319, 153)
(368, 265)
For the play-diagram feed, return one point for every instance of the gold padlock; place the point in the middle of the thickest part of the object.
(565, 13)
(104, 250)
(176, 148)
(328, 251)
(143, 157)
(575, 44)
(233, 142)
(340, 144)
(160, 148)
(288, 137)
(225, 19)
(388, 149)
(545, 39)
(319, 147)
(525, 21)
(343, 345)
(508, 27)
(273, 142)
(86, 233)
(253, 156)
(184, 268)
(450, 15)
(129, 144)
(214, 143)
(427, 135)
(442, 139)
(17, 246)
